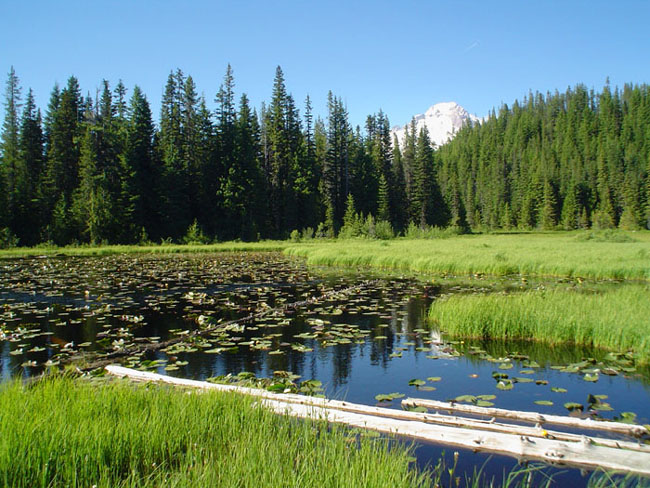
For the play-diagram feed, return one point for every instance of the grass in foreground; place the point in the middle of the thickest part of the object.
(616, 255)
(615, 318)
(74, 433)
(62, 432)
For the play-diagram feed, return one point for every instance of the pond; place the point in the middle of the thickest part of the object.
(361, 337)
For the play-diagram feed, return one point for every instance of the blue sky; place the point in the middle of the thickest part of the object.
(401, 57)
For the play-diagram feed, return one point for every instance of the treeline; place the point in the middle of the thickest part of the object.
(98, 169)
(565, 160)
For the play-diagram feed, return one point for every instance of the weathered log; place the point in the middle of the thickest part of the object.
(534, 417)
(475, 434)
(579, 454)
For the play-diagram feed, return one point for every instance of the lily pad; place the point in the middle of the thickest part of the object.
(571, 406)
(387, 397)
(417, 382)
(465, 399)
(544, 402)
(505, 384)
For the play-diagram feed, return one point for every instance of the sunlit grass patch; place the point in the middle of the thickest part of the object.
(573, 254)
(615, 317)
(61, 432)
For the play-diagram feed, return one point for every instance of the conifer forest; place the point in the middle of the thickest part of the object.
(101, 169)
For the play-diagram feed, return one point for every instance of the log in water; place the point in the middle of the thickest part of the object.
(512, 440)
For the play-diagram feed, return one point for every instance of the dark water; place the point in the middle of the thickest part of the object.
(368, 340)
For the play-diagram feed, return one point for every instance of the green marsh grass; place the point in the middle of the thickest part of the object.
(74, 433)
(609, 317)
(87, 250)
(559, 254)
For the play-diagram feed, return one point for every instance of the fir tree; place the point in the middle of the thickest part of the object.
(9, 149)
(27, 216)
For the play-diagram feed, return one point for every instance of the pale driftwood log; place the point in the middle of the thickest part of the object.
(449, 430)
(579, 454)
(537, 418)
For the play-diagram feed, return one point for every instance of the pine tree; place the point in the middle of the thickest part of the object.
(141, 176)
(548, 217)
(428, 204)
(28, 175)
(92, 205)
(306, 173)
(9, 150)
(383, 202)
(278, 156)
(570, 211)
(175, 215)
(336, 174)
(399, 191)
(62, 168)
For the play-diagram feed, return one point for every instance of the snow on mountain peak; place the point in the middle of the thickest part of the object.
(442, 120)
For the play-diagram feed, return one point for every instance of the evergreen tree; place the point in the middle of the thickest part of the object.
(427, 201)
(570, 211)
(278, 157)
(62, 167)
(175, 215)
(336, 175)
(9, 150)
(27, 217)
(141, 176)
(383, 200)
(548, 218)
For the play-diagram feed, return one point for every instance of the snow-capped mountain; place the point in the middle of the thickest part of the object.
(442, 120)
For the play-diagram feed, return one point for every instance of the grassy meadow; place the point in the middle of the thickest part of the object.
(614, 255)
(72, 433)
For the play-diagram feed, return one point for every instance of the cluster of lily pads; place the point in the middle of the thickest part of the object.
(238, 309)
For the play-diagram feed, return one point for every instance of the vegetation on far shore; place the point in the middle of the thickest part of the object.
(585, 254)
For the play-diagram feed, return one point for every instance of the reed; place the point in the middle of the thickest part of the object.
(614, 317)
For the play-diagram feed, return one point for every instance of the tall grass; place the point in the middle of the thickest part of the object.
(62, 432)
(616, 318)
(549, 254)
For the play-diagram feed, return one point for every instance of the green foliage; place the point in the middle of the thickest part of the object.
(613, 318)
(569, 158)
(99, 170)
(7, 238)
(62, 432)
(383, 230)
(194, 235)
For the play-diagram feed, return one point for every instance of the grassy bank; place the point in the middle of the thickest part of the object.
(615, 318)
(233, 246)
(589, 255)
(62, 432)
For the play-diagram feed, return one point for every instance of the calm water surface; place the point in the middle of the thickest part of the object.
(365, 341)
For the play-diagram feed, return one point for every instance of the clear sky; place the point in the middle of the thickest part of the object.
(400, 56)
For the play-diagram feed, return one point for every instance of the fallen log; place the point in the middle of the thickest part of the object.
(534, 417)
(478, 435)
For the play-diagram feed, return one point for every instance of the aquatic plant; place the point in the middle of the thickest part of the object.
(614, 318)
